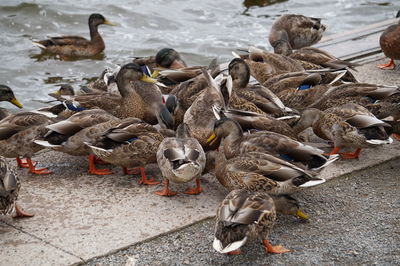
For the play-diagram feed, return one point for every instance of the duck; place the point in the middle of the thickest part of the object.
(77, 46)
(389, 43)
(181, 159)
(255, 98)
(165, 58)
(256, 171)
(200, 116)
(17, 134)
(140, 98)
(132, 143)
(246, 215)
(236, 142)
(70, 135)
(7, 95)
(349, 125)
(9, 190)
(297, 30)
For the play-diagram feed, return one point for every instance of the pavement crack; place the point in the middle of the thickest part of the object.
(43, 240)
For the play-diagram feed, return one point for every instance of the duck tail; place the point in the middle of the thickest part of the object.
(38, 44)
(316, 165)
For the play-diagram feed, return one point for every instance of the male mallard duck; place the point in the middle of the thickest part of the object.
(133, 143)
(297, 30)
(389, 42)
(349, 125)
(235, 143)
(9, 189)
(70, 135)
(166, 58)
(181, 159)
(255, 171)
(7, 95)
(200, 116)
(17, 135)
(140, 98)
(254, 98)
(77, 45)
(245, 215)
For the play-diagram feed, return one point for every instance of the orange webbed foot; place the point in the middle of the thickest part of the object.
(95, 171)
(234, 252)
(396, 136)
(334, 151)
(165, 192)
(24, 164)
(40, 171)
(131, 171)
(274, 249)
(197, 190)
(19, 212)
(144, 180)
(389, 65)
(350, 155)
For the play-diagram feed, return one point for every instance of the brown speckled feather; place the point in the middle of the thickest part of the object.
(9, 187)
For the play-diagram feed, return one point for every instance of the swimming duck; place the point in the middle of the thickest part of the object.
(389, 42)
(181, 159)
(132, 143)
(297, 30)
(70, 135)
(17, 133)
(7, 95)
(140, 98)
(245, 215)
(236, 142)
(255, 171)
(9, 189)
(349, 125)
(77, 45)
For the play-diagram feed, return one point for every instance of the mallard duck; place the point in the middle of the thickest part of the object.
(245, 215)
(133, 143)
(389, 42)
(255, 171)
(7, 95)
(140, 98)
(17, 133)
(264, 65)
(200, 116)
(297, 30)
(77, 45)
(166, 58)
(236, 142)
(9, 189)
(181, 159)
(349, 125)
(255, 98)
(363, 93)
(70, 135)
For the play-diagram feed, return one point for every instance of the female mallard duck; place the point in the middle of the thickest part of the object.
(235, 143)
(70, 135)
(245, 215)
(7, 95)
(9, 189)
(389, 42)
(349, 125)
(77, 45)
(17, 135)
(133, 143)
(254, 98)
(140, 98)
(200, 116)
(181, 159)
(297, 30)
(255, 171)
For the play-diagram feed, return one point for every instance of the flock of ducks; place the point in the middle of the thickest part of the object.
(243, 121)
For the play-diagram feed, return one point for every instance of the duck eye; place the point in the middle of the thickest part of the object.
(315, 27)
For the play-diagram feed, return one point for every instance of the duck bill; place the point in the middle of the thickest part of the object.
(107, 22)
(16, 102)
(212, 139)
(302, 215)
(148, 79)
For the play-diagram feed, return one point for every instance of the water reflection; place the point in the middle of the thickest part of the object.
(43, 56)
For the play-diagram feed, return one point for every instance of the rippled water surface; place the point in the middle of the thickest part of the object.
(200, 30)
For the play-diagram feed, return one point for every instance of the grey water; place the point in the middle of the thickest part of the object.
(199, 30)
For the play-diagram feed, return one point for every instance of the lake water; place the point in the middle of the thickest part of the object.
(200, 30)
